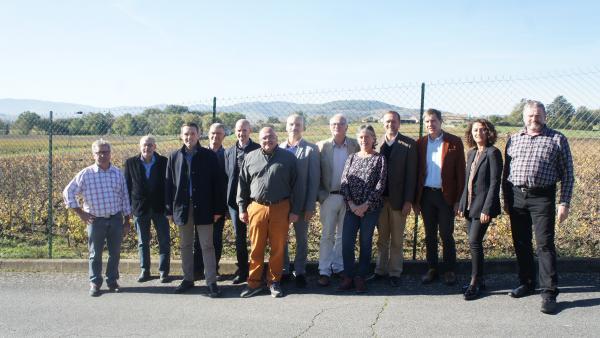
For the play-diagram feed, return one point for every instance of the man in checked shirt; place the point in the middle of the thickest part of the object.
(106, 212)
(537, 158)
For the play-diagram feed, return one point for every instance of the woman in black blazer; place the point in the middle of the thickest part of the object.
(480, 201)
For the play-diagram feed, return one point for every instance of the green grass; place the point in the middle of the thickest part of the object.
(11, 248)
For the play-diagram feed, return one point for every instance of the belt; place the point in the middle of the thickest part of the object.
(432, 188)
(533, 190)
(268, 203)
(336, 192)
(107, 217)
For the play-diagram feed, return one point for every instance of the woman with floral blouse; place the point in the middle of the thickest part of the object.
(363, 182)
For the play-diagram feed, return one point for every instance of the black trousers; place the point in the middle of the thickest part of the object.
(437, 214)
(534, 210)
(476, 233)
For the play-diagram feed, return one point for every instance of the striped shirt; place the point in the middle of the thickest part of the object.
(540, 161)
(104, 191)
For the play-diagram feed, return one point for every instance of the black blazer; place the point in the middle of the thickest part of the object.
(142, 199)
(232, 179)
(207, 186)
(486, 184)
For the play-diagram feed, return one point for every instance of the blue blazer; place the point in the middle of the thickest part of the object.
(207, 186)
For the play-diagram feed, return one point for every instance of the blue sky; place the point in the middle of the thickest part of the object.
(112, 53)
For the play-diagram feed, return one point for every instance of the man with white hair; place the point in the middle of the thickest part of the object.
(145, 177)
(105, 211)
(309, 173)
(537, 157)
(333, 153)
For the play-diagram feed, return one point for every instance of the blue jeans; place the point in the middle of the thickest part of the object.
(217, 243)
(241, 241)
(109, 231)
(352, 226)
(161, 225)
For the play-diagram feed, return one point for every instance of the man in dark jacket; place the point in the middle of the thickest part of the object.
(234, 157)
(194, 199)
(145, 177)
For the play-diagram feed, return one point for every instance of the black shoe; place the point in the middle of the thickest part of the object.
(94, 290)
(395, 281)
(213, 290)
(239, 279)
(480, 285)
(300, 281)
(144, 277)
(549, 305)
(276, 291)
(375, 277)
(250, 292)
(114, 287)
(184, 286)
(164, 278)
(472, 292)
(522, 291)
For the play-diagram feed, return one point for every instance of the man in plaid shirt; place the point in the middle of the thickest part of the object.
(537, 158)
(105, 203)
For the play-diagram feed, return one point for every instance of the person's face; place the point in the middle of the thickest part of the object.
(242, 132)
(102, 156)
(216, 136)
(189, 136)
(433, 124)
(479, 133)
(365, 140)
(338, 126)
(534, 118)
(391, 124)
(294, 126)
(268, 140)
(147, 148)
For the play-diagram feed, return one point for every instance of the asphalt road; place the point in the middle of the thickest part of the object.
(55, 304)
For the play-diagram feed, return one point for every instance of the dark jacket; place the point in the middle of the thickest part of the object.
(207, 191)
(486, 184)
(401, 170)
(453, 168)
(232, 179)
(145, 194)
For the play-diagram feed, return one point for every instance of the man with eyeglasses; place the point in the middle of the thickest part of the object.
(105, 211)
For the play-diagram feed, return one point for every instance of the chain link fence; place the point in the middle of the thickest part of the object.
(40, 152)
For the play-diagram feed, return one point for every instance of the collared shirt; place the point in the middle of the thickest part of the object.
(392, 141)
(104, 191)
(266, 178)
(433, 176)
(541, 161)
(188, 158)
(148, 166)
(340, 154)
(290, 148)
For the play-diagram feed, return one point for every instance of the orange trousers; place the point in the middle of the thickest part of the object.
(267, 224)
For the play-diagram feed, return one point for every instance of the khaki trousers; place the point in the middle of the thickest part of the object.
(267, 224)
(391, 241)
(186, 243)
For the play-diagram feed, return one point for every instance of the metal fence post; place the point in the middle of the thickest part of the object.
(50, 209)
(214, 119)
(414, 253)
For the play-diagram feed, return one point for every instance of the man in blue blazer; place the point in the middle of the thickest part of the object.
(194, 199)
(234, 157)
(309, 173)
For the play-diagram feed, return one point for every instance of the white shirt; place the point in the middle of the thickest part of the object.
(433, 171)
(340, 154)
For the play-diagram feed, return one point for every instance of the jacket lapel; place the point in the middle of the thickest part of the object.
(481, 158)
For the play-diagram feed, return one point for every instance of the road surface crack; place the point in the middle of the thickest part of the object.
(385, 304)
(312, 321)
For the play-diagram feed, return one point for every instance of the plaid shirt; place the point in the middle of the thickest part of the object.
(540, 161)
(104, 192)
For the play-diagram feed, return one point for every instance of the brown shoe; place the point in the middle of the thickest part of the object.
(449, 278)
(360, 284)
(323, 280)
(346, 284)
(429, 277)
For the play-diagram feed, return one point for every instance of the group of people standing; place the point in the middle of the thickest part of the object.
(267, 188)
